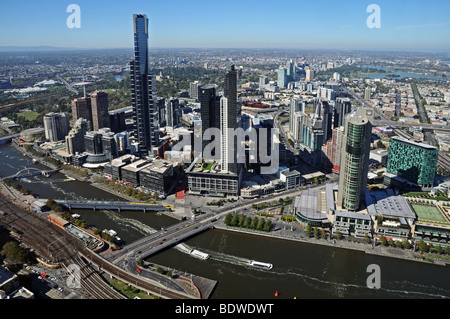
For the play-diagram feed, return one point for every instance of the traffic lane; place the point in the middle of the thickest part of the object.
(153, 276)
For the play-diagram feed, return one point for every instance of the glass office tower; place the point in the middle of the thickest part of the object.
(143, 90)
(355, 160)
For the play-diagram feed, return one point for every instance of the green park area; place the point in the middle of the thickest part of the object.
(29, 115)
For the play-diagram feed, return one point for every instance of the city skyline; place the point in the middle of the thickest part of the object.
(288, 24)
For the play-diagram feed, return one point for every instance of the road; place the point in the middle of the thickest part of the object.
(427, 128)
(52, 243)
(429, 136)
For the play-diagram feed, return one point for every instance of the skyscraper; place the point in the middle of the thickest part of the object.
(342, 108)
(143, 88)
(100, 110)
(355, 159)
(75, 138)
(296, 105)
(172, 112)
(282, 77)
(209, 109)
(232, 115)
(290, 70)
(81, 108)
(309, 75)
(194, 88)
(56, 126)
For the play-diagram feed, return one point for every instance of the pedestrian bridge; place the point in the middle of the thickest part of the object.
(31, 172)
(112, 205)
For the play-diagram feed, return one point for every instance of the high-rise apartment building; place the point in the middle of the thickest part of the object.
(75, 138)
(81, 108)
(194, 89)
(342, 107)
(290, 71)
(172, 112)
(309, 75)
(282, 77)
(143, 90)
(415, 162)
(367, 93)
(355, 159)
(209, 109)
(100, 110)
(297, 105)
(232, 115)
(56, 126)
(94, 109)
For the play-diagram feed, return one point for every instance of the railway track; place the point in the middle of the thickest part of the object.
(53, 244)
(92, 282)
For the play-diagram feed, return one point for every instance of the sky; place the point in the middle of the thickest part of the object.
(304, 24)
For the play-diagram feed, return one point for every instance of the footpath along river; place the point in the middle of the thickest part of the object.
(299, 270)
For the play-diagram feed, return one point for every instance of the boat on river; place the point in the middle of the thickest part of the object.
(258, 264)
(199, 254)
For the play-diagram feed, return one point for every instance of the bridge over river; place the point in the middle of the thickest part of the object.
(112, 205)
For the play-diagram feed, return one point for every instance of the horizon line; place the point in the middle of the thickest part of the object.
(40, 48)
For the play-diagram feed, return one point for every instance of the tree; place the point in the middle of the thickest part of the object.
(11, 250)
(267, 226)
(308, 230)
(423, 246)
(383, 241)
(338, 235)
(260, 225)
(254, 222)
(228, 219)
(241, 220)
(316, 232)
(129, 191)
(247, 222)
(235, 220)
(406, 244)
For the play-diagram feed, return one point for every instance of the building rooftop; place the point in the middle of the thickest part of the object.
(417, 144)
(386, 203)
(137, 166)
(307, 204)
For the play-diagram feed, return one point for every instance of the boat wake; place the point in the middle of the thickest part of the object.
(343, 290)
(133, 223)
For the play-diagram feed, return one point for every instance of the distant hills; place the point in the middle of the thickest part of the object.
(46, 49)
(32, 48)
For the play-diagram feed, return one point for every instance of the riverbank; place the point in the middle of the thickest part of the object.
(177, 214)
(299, 235)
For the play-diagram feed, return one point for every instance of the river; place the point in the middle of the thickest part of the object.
(399, 75)
(299, 270)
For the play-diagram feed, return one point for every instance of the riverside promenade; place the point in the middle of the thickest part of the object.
(294, 232)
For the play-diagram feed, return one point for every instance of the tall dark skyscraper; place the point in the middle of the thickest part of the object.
(342, 108)
(209, 109)
(100, 110)
(143, 89)
(232, 113)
